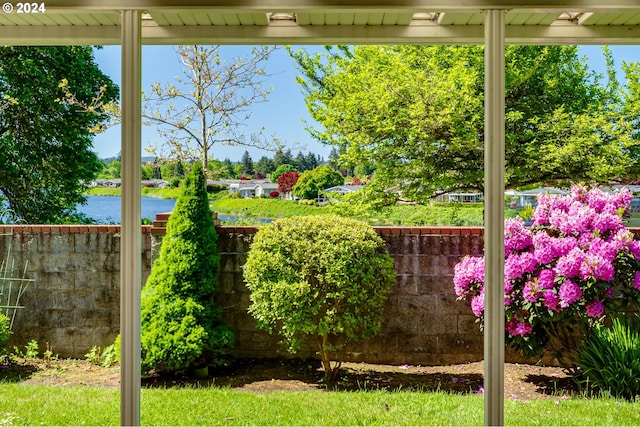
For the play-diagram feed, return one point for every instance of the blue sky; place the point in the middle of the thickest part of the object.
(283, 114)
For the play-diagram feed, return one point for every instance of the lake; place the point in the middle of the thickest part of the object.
(106, 209)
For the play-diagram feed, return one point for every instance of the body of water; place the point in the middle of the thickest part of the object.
(106, 209)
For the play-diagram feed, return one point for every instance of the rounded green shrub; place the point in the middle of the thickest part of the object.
(180, 326)
(320, 278)
(610, 359)
(311, 183)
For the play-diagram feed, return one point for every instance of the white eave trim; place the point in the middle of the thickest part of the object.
(289, 33)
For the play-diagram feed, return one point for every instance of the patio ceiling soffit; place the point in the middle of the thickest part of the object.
(325, 22)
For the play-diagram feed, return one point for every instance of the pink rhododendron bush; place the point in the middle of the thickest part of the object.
(574, 266)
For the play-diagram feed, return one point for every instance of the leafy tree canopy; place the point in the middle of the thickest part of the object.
(282, 169)
(312, 182)
(415, 114)
(50, 101)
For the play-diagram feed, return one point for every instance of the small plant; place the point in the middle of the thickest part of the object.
(49, 356)
(31, 350)
(610, 359)
(319, 278)
(103, 357)
(5, 333)
(527, 212)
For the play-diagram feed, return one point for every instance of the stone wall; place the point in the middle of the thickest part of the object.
(74, 302)
(424, 324)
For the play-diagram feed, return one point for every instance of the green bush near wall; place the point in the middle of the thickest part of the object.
(319, 278)
(181, 327)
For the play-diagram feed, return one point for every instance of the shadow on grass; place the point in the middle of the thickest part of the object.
(554, 386)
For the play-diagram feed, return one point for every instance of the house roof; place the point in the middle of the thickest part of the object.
(324, 21)
(344, 188)
(541, 190)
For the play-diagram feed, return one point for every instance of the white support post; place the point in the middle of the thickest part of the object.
(494, 217)
(131, 232)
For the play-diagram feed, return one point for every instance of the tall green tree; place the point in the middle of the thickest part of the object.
(282, 157)
(264, 166)
(209, 104)
(181, 326)
(247, 164)
(52, 98)
(415, 115)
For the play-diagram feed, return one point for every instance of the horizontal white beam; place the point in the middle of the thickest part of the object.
(295, 34)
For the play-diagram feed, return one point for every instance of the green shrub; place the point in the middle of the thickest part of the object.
(181, 327)
(5, 333)
(610, 359)
(312, 182)
(323, 278)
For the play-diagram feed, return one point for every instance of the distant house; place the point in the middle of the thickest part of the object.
(221, 184)
(325, 195)
(155, 183)
(460, 198)
(107, 183)
(264, 189)
(252, 188)
(530, 197)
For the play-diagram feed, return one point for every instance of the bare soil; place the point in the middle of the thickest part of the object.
(521, 381)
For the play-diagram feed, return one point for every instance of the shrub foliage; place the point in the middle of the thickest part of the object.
(575, 265)
(5, 333)
(181, 327)
(610, 358)
(322, 278)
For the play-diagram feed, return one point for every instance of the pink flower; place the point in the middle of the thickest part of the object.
(569, 293)
(468, 272)
(516, 236)
(550, 300)
(516, 328)
(605, 249)
(546, 279)
(569, 264)
(636, 281)
(606, 221)
(477, 305)
(634, 247)
(517, 265)
(597, 267)
(595, 309)
(529, 292)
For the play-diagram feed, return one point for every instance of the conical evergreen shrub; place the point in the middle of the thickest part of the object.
(181, 326)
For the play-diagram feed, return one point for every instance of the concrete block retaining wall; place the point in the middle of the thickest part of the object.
(73, 304)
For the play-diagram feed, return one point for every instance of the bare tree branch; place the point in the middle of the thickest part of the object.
(209, 104)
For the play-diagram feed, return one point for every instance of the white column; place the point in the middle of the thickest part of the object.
(494, 218)
(131, 234)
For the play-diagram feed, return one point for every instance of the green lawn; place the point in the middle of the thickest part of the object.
(437, 214)
(49, 405)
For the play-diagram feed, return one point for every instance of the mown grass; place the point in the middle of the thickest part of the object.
(437, 214)
(265, 208)
(48, 405)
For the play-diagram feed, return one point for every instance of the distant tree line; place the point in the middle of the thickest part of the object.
(266, 167)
